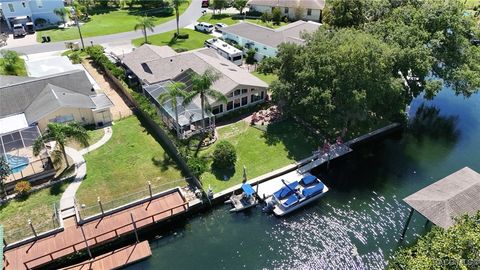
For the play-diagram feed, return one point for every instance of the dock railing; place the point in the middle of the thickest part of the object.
(86, 241)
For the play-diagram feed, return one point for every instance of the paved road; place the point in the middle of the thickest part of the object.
(191, 14)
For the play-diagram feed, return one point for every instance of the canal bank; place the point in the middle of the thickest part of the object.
(357, 224)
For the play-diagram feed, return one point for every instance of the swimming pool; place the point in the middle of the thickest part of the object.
(16, 163)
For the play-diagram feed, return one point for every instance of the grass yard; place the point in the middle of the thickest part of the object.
(195, 40)
(268, 78)
(38, 207)
(470, 4)
(107, 23)
(20, 69)
(260, 151)
(125, 163)
(95, 136)
(227, 19)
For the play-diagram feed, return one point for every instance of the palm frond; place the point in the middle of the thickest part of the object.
(57, 156)
(77, 133)
(219, 97)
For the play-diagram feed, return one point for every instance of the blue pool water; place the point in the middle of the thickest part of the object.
(16, 163)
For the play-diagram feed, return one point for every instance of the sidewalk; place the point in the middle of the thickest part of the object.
(67, 201)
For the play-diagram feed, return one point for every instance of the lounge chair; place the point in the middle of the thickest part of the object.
(286, 191)
(308, 192)
(308, 180)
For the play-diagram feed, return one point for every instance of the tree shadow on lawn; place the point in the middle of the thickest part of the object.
(223, 174)
(298, 141)
(164, 163)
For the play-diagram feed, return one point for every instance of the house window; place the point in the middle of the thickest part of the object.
(236, 103)
(230, 95)
(237, 92)
(286, 10)
(217, 109)
(256, 97)
(10, 7)
(39, 3)
(229, 105)
(63, 119)
(309, 12)
(244, 101)
(244, 91)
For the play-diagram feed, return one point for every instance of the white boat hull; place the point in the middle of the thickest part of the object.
(279, 210)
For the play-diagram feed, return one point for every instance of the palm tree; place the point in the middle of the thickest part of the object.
(62, 13)
(61, 133)
(5, 171)
(174, 90)
(201, 86)
(176, 6)
(145, 23)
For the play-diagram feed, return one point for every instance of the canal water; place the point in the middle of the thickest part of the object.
(357, 225)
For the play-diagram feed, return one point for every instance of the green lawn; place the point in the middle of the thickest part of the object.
(107, 23)
(95, 136)
(195, 40)
(124, 165)
(260, 151)
(227, 19)
(470, 4)
(268, 78)
(38, 207)
(20, 69)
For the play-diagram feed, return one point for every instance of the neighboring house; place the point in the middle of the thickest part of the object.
(156, 67)
(265, 40)
(28, 104)
(293, 9)
(22, 11)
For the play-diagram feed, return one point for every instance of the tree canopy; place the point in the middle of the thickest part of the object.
(455, 248)
(366, 66)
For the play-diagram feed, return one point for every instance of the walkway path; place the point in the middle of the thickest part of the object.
(67, 202)
(189, 16)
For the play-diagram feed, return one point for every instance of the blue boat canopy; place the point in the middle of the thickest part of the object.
(248, 189)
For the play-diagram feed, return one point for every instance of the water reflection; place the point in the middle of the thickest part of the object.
(428, 122)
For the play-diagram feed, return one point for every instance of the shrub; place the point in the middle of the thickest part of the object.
(268, 65)
(99, 58)
(224, 155)
(11, 62)
(75, 57)
(254, 13)
(197, 166)
(250, 59)
(181, 49)
(276, 15)
(266, 17)
(40, 21)
(22, 188)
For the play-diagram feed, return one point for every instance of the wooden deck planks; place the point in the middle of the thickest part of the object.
(117, 258)
(96, 231)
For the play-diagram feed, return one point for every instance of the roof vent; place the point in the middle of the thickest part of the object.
(171, 60)
(223, 64)
(181, 70)
(232, 69)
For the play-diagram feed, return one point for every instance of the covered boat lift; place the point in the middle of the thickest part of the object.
(446, 199)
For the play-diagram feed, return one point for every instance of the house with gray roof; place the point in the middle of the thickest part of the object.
(310, 10)
(28, 104)
(264, 40)
(156, 67)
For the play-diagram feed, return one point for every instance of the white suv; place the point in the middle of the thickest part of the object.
(204, 27)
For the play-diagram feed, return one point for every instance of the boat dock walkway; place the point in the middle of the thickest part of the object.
(117, 258)
(77, 237)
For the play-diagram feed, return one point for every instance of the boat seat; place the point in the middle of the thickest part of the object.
(308, 180)
(291, 200)
(308, 192)
(285, 191)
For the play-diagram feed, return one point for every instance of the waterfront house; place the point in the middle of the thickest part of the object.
(265, 40)
(28, 104)
(310, 10)
(23, 11)
(155, 67)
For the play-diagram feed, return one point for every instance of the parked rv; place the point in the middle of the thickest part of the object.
(226, 50)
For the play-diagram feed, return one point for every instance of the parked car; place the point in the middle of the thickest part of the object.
(30, 27)
(219, 26)
(204, 27)
(19, 30)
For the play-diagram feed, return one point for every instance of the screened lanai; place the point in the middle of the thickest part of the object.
(17, 149)
(189, 115)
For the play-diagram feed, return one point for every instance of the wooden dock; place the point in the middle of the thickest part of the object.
(98, 231)
(117, 258)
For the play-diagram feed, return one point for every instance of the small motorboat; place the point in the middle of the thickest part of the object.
(295, 195)
(243, 201)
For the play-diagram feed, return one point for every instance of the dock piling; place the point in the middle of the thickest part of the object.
(100, 204)
(407, 223)
(31, 227)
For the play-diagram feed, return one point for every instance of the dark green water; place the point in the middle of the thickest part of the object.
(356, 225)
